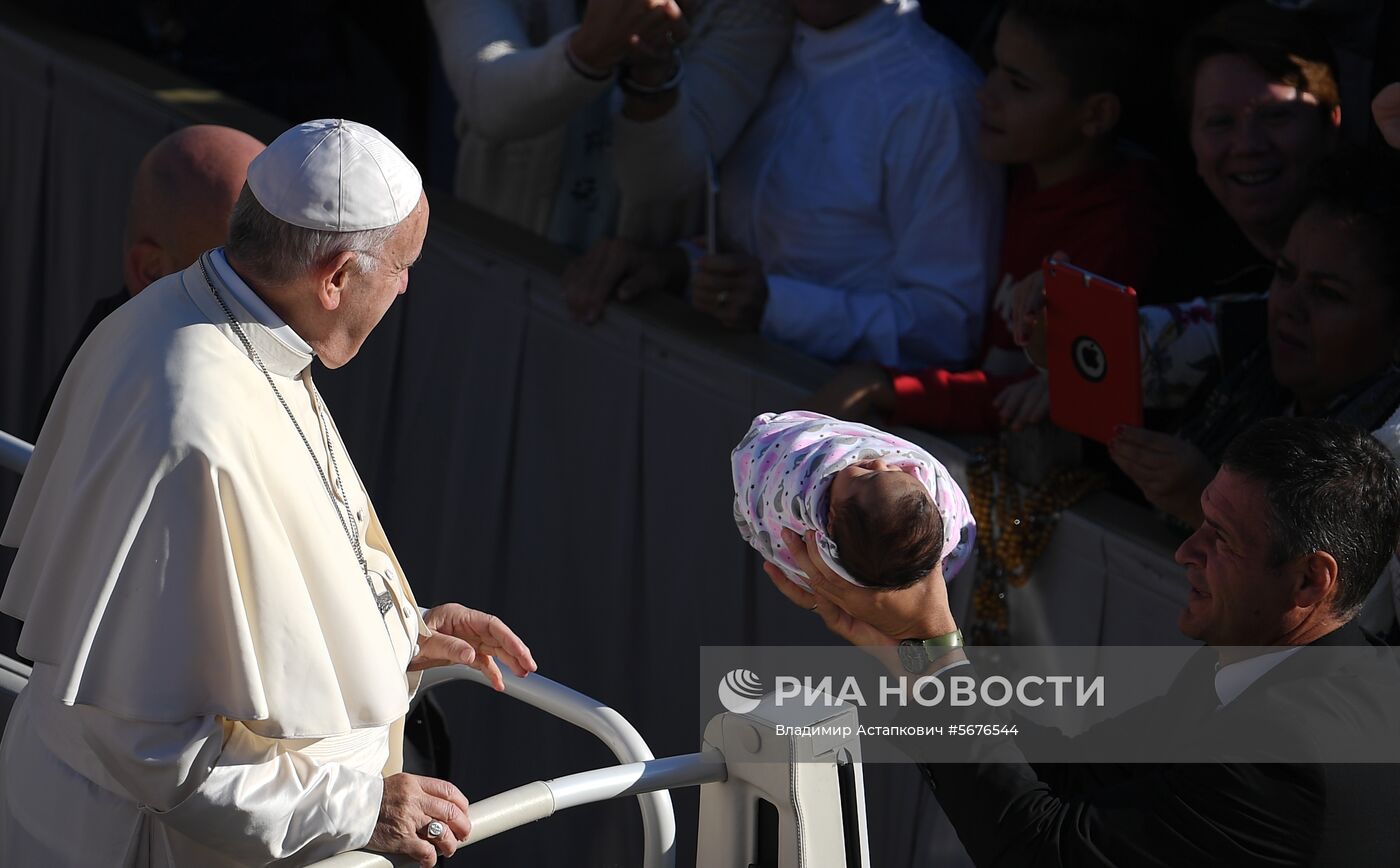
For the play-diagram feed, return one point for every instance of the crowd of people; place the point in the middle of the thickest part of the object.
(885, 205)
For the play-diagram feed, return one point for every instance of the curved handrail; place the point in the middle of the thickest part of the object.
(14, 452)
(365, 859)
(541, 799)
(610, 727)
(536, 801)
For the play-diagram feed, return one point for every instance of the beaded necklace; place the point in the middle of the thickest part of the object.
(384, 600)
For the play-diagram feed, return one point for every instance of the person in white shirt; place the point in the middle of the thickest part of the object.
(224, 643)
(857, 222)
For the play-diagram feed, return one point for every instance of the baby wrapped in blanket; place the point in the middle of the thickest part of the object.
(885, 511)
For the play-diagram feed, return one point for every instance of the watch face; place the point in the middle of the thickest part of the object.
(912, 656)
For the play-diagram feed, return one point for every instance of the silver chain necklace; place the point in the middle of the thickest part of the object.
(384, 600)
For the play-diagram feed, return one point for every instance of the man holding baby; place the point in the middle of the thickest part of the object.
(1299, 523)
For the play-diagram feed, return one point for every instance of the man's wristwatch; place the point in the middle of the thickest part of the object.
(916, 655)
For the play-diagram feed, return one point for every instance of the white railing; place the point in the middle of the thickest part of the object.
(592, 716)
(536, 801)
(640, 774)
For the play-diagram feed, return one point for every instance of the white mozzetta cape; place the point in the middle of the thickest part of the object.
(178, 554)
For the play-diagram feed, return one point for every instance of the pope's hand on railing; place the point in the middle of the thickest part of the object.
(462, 635)
(409, 805)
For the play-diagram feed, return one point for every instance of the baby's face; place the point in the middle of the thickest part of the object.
(873, 482)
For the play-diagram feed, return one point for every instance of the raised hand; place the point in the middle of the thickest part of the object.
(610, 29)
(478, 639)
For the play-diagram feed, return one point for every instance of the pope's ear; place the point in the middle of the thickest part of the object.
(334, 279)
(144, 264)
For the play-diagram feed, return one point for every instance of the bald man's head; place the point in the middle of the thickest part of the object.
(181, 199)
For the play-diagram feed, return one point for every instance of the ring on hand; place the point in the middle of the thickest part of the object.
(722, 298)
(436, 828)
(814, 606)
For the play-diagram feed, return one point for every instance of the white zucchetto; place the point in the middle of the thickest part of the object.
(335, 175)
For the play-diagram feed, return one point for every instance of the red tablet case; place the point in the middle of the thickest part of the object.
(1092, 351)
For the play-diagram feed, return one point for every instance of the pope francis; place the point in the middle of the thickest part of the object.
(224, 644)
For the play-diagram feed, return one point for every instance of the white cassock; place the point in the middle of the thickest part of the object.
(213, 684)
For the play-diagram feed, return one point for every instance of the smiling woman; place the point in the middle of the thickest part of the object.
(1333, 336)
(1263, 107)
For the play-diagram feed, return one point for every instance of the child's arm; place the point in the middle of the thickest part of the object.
(961, 402)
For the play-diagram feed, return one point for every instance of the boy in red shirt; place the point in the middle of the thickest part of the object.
(1051, 108)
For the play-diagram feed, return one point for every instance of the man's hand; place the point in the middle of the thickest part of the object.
(409, 804)
(612, 28)
(1385, 108)
(731, 288)
(1024, 403)
(620, 269)
(1171, 471)
(856, 393)
(864, 616)
(462, 635)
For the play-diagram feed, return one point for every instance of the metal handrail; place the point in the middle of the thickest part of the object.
(536, 801)
(640, 774)
(610, 727)
(542, 799)
(14, 452)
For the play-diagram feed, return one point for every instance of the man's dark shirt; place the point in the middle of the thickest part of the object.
(1008, 812)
